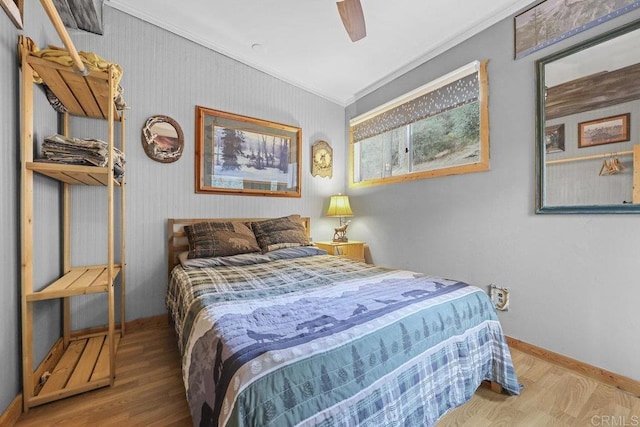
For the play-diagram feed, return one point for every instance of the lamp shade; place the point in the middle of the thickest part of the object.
(339, 206)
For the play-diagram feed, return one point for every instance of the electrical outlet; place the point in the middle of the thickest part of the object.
(499, 297)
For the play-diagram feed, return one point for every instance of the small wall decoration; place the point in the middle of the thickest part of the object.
(554, 138)
(604, 131)
(246, 156)
(321, 159)
(551, 21)
(14, 10)
(162, 139)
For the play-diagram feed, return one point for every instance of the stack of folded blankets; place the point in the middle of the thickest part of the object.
(64, 149)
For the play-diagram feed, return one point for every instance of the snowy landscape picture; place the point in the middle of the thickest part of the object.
(248, 156)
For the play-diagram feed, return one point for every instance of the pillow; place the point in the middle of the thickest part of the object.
(294, 252)
(217, 239)
(277, 233)
(232, 260)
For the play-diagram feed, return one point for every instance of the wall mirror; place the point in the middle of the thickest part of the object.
(588, 126)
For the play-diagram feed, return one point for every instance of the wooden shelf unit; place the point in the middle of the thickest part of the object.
(82, 362)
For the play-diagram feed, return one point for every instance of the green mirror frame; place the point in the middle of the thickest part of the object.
(545, 131)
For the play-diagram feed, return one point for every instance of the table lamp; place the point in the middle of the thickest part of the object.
(339, 206)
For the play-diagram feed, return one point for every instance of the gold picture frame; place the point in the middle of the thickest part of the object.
(246, 156)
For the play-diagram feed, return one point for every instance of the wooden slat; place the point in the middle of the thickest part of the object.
(88, 279)
(78, 281)
(73, 174)
(26, 222)
(64, 368)
(58, 86)
(100, 91)
(43, 398)
(83, 94)
(87, 178)
(101, 370)
(87, 362)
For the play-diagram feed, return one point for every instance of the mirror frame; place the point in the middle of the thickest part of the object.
(540, 131)
(150, 145)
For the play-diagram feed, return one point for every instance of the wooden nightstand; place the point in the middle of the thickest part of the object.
(353, 249)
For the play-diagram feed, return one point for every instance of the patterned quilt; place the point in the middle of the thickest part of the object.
(324, 341)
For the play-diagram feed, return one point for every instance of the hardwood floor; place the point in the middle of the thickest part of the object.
(148, 391)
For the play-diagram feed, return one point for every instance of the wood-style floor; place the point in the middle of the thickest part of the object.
(148, 391)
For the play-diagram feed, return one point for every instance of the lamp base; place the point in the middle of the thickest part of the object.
(341, 239)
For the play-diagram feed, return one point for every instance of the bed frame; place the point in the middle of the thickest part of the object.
(177, 239)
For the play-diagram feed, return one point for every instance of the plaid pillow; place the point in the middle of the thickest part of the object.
(216, 239)
(278, 233)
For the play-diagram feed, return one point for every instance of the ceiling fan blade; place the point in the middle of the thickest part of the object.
(352, 18)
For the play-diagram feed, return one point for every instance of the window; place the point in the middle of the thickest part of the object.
(441, 128)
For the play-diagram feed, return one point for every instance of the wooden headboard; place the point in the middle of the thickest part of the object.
(177, 241)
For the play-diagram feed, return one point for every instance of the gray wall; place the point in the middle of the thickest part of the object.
(572, 278)
(163, 74)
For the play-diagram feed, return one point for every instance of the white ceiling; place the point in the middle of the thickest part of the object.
(304, 43)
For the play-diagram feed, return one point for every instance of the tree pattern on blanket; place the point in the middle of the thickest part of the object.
(403, 341)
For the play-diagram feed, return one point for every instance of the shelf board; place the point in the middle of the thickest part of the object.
(73, 174)
(83, 96)
(83, 366)
(78, 281)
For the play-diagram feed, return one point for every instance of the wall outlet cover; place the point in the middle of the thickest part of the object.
(499, 297)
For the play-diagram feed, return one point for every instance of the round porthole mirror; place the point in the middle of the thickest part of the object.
(162, 139)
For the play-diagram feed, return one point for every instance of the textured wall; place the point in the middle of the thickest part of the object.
(573, 278)
(9, 251)
(163, 74)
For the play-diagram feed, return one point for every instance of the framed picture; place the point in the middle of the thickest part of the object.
(551, 21)
(247, 156)
(604, 131)
(14, 10)
(554, 138)
(162, 139)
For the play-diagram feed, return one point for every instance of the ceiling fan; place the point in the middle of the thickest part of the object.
(352, 18)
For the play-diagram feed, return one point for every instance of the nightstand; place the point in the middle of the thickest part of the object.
(353, 249)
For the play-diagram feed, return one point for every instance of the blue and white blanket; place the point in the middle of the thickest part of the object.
(324, 341)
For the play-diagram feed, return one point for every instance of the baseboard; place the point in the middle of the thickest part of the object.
(10, 416)
(618, 381)
(148, 322)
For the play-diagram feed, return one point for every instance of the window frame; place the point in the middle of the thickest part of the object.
(483, 97)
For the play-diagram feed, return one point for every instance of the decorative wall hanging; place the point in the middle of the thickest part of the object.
(604, 131)
(162, 139)
(14, 10)
(551, 21)
(321, 159)
(554, 138)
(247, 156)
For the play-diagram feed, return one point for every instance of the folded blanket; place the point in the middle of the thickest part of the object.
(94, 152)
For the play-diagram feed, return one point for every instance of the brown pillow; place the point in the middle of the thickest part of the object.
(216, 239)
(278, 233)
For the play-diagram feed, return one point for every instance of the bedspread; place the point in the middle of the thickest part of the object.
(324, 341)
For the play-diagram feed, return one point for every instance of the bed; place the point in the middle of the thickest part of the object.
(292, 336)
